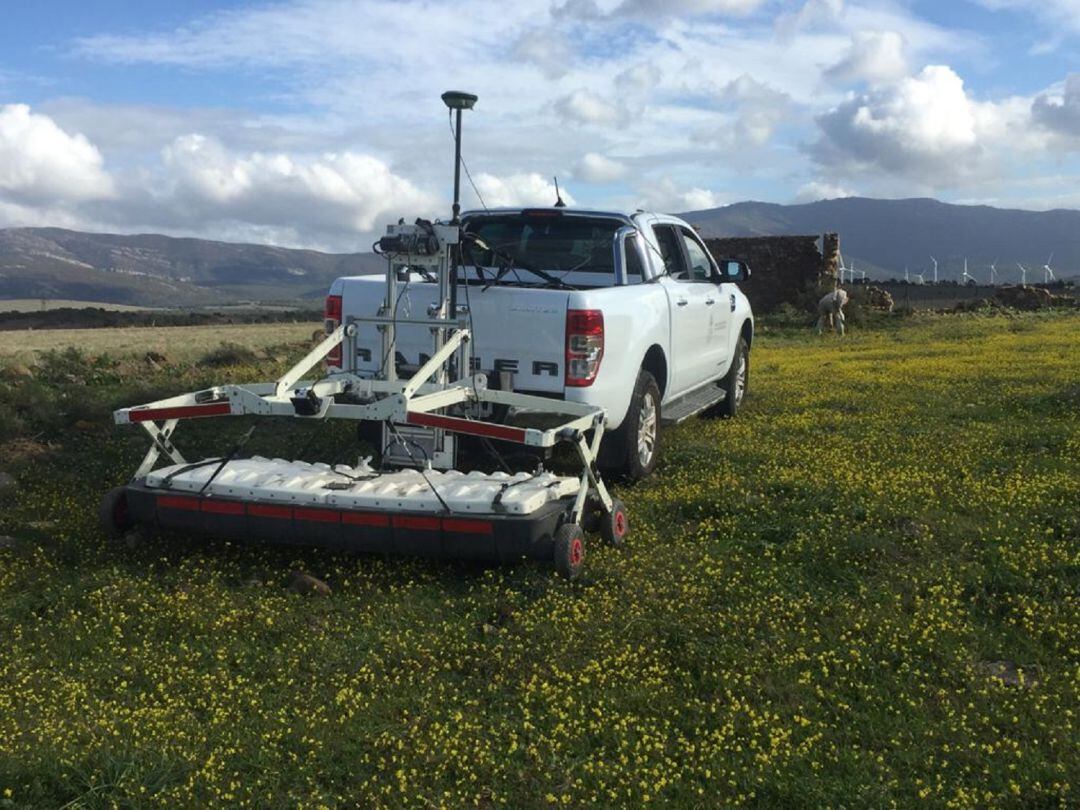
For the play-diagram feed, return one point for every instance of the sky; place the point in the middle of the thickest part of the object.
(313, 123)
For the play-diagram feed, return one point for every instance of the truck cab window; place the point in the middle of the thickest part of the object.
(634, 271)
(674, 263)
(701, 267)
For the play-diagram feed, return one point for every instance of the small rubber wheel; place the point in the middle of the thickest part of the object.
(616, 525)
(113, 514)
(569, 550)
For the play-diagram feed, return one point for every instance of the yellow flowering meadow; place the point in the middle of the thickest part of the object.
(863, 592)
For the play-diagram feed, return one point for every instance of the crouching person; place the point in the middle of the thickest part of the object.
(831, 311)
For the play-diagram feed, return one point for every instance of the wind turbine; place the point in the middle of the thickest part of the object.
(919, 279)
(1023, 274)
(993, 271)
(906, 279)
(967, 278)
(842, 267)
(1048, 273)
(935, 268)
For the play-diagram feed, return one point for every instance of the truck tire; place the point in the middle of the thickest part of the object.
(631, 452)
(735, 382)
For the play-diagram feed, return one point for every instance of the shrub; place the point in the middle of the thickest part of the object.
(229, 354)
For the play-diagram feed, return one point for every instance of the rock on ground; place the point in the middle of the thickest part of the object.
(306, 584)
(1024, 297)
(1007, 672)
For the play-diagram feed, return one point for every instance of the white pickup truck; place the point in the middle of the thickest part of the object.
(625, 311)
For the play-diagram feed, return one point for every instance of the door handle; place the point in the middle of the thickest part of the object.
(710, 301)
(682, 302)
(733, 302)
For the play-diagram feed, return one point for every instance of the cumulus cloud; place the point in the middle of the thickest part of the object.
(925, 128)
(812, 13)
(622, 103)
(874, 56)
(653, 8)
(547, 48)
(519, 190)
(758, 110)
(590, 10)
(1059, 112)
(586, 107)
(40, 163)
(335, 191)
(818, 190)
(685, 89)
(667, 196)
(595, 168)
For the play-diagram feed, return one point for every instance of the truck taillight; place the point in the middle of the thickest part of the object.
(332, 315)
(584, 346)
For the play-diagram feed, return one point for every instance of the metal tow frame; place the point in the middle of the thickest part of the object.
(413, 401)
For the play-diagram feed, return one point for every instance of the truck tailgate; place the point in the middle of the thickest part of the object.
(517, 330)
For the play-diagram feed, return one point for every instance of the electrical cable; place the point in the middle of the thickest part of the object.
(421, 470)
(229, 457)
(393, 323)
(484, 441)
(464, 165)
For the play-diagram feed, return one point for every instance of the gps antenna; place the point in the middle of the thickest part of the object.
(457, 101)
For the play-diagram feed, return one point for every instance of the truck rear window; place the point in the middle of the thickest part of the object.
(556, 244)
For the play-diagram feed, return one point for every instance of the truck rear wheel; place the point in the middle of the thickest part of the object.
(631, 452)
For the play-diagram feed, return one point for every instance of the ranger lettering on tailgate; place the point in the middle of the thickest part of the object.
(510, 365)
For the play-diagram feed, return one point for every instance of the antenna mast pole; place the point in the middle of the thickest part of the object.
(457, 168)
(456, 101)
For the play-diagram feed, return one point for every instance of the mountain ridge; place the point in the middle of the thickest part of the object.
(876, 235)
(883, 236)
(154, 269)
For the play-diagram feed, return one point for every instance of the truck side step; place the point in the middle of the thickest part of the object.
(692, 403)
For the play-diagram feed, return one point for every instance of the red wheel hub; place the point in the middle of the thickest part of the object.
(577, 551)
(620, 524)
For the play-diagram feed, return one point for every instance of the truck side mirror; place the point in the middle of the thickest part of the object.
(733, 270)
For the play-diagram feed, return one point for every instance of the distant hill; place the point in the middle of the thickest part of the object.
(154, 270)
(879, 236)
(882, 236)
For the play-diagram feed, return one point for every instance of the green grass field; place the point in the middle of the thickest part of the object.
(181, 343)
(813, 610)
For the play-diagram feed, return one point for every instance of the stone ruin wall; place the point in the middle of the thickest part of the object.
(785, 269)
